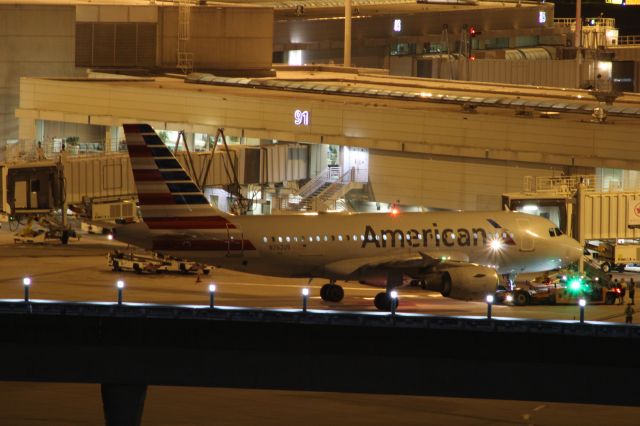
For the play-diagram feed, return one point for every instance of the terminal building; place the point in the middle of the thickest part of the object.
(306, 137)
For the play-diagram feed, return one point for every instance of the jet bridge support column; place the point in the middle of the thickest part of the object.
(579, 225)
(123, 403)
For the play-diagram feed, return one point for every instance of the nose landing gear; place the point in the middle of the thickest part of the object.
(332, 292)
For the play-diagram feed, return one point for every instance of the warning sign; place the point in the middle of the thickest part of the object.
(634, 212)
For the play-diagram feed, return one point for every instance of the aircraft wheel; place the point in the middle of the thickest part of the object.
(610, 299)
(332, 293)
(521, 298)
(382, 301)
(323, 292)
(423, 284)
(335, 293)
(446, 285)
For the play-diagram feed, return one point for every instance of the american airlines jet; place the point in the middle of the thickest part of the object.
(459, 254)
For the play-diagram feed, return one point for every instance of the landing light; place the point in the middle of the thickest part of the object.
(495, 244)
(109, 237)
(489, 298)
(395, 211)
(509, 298)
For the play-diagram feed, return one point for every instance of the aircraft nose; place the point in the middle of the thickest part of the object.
(574, 250)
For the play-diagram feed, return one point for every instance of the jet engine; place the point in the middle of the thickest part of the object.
(469, 282)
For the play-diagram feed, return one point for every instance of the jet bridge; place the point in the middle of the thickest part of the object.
(579, 208)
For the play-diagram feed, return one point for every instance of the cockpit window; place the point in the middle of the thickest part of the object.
(552, 232)
(558, 232)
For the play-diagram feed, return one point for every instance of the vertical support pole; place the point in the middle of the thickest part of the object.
(578, 40)
(123, 404)
(347, 33)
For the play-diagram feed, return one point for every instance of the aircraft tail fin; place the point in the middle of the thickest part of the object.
(168, 197)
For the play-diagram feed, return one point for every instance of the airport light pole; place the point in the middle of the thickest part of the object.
(394, 301)
(26, 282)
(489, 305)
(120, 285)
(212, 295)
(582, 303)
(305, 296)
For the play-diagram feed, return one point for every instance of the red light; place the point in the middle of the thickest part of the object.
(472, 58)
(472, 31)
(394, 211)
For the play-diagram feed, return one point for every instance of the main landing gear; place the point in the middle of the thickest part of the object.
(332, 292)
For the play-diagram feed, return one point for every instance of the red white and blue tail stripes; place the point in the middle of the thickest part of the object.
(168, 197)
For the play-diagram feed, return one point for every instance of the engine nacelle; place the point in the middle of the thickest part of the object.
(465, 282)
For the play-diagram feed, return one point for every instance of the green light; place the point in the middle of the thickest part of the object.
(575, 284)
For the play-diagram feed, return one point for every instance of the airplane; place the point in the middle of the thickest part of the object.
(459, 254)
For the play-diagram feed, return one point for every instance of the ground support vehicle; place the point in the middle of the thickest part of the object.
(613, 257)
(154, 263)
(119, 261)
(533, 293)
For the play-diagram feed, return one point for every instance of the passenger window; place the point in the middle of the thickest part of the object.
(333, 238)
(326, 238)
(273, 239)
(340, 237)
(355, 237)
(265, 239)
(288, 239)
(279, 239)
(348, 238)
(318, 238)
(310, 239)
(295, 239)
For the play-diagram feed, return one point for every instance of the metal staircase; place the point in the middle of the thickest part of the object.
(324, 192)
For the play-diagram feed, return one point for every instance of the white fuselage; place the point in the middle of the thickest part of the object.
(304, 245)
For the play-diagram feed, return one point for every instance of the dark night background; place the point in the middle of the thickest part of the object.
(627, 17)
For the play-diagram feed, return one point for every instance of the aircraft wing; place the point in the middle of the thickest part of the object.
(405, 262)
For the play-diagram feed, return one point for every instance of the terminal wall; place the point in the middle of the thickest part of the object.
(37, 41)
(222, 38)
(446, 183)
(420, 128)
